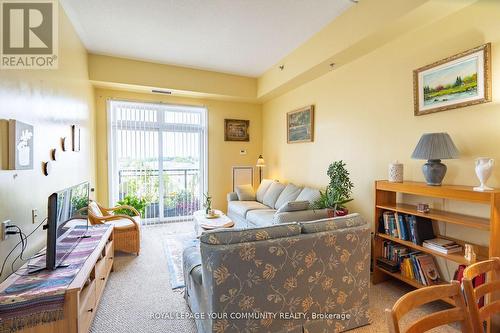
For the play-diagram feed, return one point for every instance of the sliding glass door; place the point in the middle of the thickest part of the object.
(157, 158)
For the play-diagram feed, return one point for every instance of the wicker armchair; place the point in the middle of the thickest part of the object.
(127, 231)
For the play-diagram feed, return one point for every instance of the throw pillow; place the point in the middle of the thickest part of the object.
(293, 206)
(94, 209)
(263, 187)
(290, 193)
(272, 194)
(245, 192)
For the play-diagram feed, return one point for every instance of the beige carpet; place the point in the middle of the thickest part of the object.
(140, 287)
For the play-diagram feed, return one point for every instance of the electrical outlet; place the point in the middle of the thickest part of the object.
(4, 226)
(34, 215)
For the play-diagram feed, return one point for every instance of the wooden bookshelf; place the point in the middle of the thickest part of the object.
(385, 200)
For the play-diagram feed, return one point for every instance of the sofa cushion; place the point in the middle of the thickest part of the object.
(332, 223)
(309, 194)
(272, 194)
(125, 222)
(234, 236)
(245, 192)
(293, 206)
(290, 193)
(243, 207)
(263, 187)
(261, 217)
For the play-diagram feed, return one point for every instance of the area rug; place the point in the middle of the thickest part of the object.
(174, 245)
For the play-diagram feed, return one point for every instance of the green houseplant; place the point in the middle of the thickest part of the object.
(338, 192)
(133, 201)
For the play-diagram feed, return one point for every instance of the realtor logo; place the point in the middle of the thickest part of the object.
(29, 34)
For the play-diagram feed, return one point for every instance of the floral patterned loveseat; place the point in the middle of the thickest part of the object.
(293, 277)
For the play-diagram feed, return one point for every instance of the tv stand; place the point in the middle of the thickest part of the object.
(83, 294)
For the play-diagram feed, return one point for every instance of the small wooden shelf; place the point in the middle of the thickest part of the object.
(456, 257)
(386, 200)
(438, 215)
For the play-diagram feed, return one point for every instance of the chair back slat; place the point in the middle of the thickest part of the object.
(436, 319)
(488, 310)
(486, 288)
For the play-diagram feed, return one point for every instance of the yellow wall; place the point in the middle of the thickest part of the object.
(364, 111)
(222, 155)
(182, 80)
(51, 101)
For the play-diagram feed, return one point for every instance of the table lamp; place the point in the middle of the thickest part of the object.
(435, 147)
(260, 164)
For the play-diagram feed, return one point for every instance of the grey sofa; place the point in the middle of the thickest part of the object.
(270, 197)
(253, 280)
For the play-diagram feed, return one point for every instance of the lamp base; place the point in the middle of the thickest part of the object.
(434, 172)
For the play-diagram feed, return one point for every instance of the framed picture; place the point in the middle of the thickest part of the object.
(20, 145)
(75, 129)
(236, 130)
(300, 125)
(461, 80)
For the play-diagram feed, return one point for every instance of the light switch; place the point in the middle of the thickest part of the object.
(243, 151)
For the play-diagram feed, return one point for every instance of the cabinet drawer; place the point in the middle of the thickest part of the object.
(87, 307)
(110, 253)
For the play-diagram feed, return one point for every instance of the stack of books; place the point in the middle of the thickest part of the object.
(411, 228)
(420, 267)
(441, 245)
(414, 265)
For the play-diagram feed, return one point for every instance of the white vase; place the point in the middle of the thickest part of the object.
(484, 168)
(395, 172)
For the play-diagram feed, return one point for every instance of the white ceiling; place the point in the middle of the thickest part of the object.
(243, 37)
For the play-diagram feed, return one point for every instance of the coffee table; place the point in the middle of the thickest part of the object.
(202, 223)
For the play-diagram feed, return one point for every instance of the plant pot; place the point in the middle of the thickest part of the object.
(341, 212)
(337, 213)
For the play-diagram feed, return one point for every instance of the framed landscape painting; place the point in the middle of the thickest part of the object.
(461, 80)
(300, 125)
(236, 130)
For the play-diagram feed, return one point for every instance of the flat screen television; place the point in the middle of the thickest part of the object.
(67, 222)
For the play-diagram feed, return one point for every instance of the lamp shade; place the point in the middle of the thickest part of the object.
(260, 162)
(435, 146)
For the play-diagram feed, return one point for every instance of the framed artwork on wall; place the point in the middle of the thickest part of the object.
(75, 129)
(300, 125)
(236, 130)
(20, 145)
(457, 81)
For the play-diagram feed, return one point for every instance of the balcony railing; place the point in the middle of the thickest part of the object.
(181, 188)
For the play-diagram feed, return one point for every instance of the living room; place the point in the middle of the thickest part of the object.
(191, 110)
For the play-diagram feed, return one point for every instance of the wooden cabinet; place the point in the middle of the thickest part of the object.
(84, 292)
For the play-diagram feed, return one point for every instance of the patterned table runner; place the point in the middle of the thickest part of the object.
(39, 298)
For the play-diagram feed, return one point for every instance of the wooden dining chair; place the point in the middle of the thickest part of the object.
(473, 295)
(126, 229)
(426, 295)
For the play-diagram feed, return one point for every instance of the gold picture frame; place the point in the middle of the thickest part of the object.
(458, 81)
(300, 125)
(236, 130)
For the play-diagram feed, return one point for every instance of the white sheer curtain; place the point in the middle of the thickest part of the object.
(157, 155)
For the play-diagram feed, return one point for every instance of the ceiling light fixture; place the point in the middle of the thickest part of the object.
(332, 64)
(166, 92)
(282, 67)
(355, 1)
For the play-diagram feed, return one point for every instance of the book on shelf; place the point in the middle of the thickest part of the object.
(407, 227)
(413, 265)
(442, 245)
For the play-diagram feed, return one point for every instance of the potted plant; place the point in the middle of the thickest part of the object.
(133, 201)
(338, 192)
